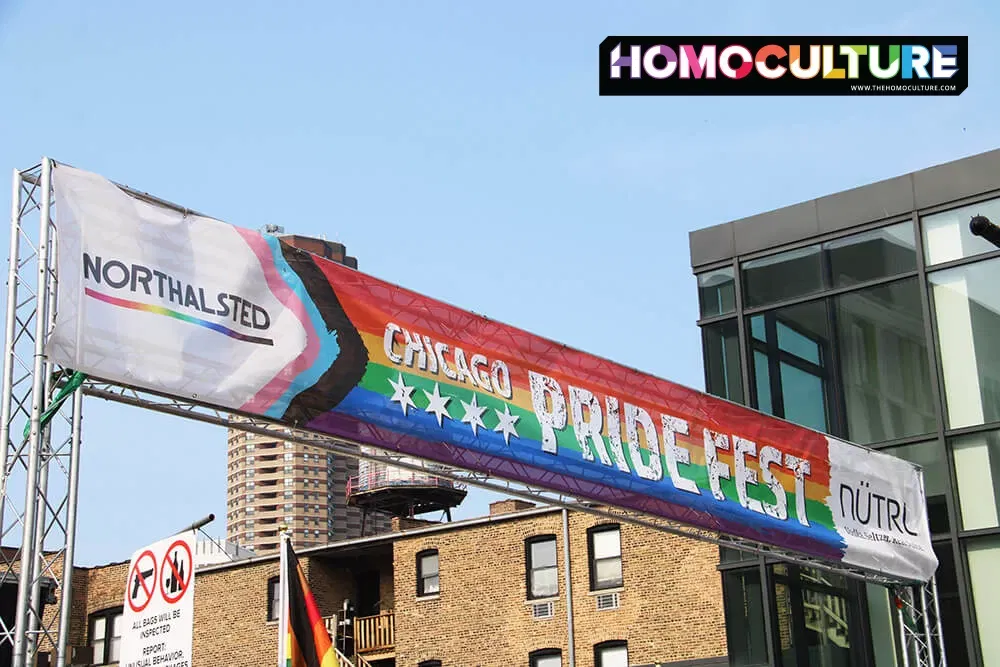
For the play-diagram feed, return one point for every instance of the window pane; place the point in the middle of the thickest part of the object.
(984, 562)
(609, 572)
(98, 645)
(722, 360)
(882, 621)
(803, 396)
(977, 471)
(717, 292)
(613, 657)
(930, 455)
(116, 625)
(543, 554)
(545, 583)
(744, 618)
(967, 309)
(883, 360)
(784, 276)
(727, 555)
(607, 544)
(429, 564)
(100, 628)
(547, 661)
(795, 339)
(798, 344)
(876, 254)
(430, 585)
(762, 380)
(114, 648)
(826, 617)
(947, 235)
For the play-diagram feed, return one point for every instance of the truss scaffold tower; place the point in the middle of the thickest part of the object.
(41, 439)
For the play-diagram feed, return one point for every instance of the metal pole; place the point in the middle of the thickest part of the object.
(282, 598)
(937, 622)
(927, 625)
(569, 590)
(66, 603)
(45, 459)
(34, 439)
(197, 524)
(904, 630)
(11, 323)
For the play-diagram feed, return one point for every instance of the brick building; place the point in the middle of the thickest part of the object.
(476, 593)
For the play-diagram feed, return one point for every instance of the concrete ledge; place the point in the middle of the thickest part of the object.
(934, 186)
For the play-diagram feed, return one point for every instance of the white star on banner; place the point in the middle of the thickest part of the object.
(473, 414)
(437, 405)
(402, 394)
(506, 425)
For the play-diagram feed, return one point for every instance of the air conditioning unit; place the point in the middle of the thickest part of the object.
(543, 610)
(606, 601)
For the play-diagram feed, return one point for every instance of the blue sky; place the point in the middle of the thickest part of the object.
(457, 148)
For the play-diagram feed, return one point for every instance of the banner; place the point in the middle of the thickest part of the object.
(201, 310)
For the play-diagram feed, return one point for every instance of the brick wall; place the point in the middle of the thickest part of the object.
(670, 608)
(671, 602)
(670, 605)
(230, 607)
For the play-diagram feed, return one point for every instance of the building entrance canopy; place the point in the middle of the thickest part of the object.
(184, 306)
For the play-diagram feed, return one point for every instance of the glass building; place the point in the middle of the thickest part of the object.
(873, 315)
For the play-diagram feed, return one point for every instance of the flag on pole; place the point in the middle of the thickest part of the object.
(304, 640)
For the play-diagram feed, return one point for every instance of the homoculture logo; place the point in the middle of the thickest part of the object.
(784, 66)
(188, 303)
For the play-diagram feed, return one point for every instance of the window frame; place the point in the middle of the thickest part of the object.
(421, 577)
(529, 566)
(429, 663)
(592, 561)
(603, 646)
(273, 599)
(534, 656)
(108, 614)
(775, 356)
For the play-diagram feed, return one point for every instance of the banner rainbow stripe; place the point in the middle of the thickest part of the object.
(160, 310)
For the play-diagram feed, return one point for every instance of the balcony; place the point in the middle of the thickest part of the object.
(374, 636)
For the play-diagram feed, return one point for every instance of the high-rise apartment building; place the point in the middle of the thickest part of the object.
(872, 315)
(273, 482)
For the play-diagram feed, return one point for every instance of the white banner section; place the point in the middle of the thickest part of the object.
(158, 622)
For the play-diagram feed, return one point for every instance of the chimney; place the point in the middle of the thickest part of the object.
(403, 523)
(508, 506)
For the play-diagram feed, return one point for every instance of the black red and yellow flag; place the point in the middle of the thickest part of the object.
(308, 643)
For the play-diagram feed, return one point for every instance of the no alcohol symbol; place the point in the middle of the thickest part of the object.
(176, 571)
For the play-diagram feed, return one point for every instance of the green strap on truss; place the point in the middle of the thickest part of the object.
(74, 383)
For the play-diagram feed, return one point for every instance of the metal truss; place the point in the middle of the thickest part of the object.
(40, 448)
(39, 451)
(920, 626)
(492, 482)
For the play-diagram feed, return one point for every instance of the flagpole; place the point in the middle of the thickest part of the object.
(283, 598)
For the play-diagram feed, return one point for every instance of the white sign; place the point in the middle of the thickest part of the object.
(158, 623)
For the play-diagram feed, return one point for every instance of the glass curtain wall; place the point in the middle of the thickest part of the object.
(889, 338)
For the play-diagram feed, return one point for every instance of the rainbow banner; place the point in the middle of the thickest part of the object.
(201, 310)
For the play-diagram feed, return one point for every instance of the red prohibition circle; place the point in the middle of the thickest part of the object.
(141, 580)
(181, 580)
